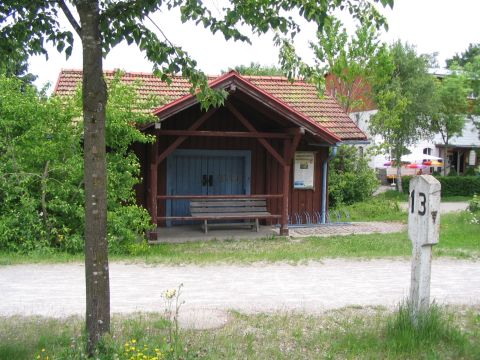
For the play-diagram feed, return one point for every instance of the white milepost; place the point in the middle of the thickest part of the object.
(423, 231)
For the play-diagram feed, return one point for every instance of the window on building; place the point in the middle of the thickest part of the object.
(427, 151)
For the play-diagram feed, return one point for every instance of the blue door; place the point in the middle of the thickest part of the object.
(205, 172)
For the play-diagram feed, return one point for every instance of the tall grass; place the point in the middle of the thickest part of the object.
(430, 331)
(349, 333)
(376, 209)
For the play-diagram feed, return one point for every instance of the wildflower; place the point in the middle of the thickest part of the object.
(169, 294)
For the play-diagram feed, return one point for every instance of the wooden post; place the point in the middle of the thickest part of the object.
(286, 188)
(423, 230)
(153, 187)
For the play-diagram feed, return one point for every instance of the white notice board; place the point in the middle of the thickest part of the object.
(304, 170)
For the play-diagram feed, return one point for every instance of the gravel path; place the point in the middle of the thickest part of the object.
(58, 290)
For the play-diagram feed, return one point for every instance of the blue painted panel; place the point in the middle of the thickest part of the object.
(206, 172)
(227, 175)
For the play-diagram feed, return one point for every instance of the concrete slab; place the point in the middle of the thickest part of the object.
(192, 233)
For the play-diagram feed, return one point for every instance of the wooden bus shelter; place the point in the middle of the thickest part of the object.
(247, 148)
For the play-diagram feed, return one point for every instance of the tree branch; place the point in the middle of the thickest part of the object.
(70, 17)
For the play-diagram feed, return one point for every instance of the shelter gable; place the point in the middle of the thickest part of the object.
(299, 97)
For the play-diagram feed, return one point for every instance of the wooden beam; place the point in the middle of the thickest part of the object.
(295, 131)
(252, 129)
(233, 134)
(153, 181)
(185, 197)
(220, 217)
(292, 147)
(199, 122)
(286, 190)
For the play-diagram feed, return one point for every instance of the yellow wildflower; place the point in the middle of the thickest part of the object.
(169, 294)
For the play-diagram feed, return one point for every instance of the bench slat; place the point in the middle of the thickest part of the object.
(228, 203)
(219, 216)
(228, 210)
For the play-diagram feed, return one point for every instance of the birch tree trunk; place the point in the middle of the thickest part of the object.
(399, 177)
(398, 155)
(96, 247)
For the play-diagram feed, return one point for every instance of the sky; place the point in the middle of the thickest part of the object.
(434, 26)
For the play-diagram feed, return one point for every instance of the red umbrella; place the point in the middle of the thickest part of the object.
(416, 166)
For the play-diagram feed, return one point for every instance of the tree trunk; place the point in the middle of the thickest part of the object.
(43, 188)
(399, 176)
(398, 156)
(445, 159)
(96, 246)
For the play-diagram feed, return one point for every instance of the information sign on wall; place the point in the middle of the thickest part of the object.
(304, 170)
(472, 158)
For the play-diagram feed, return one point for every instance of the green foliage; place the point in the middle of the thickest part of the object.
(452, 93)
(35, 24)
(452, 172)
(469, 64)
(350, 178)
(375, 209)
(474, 204)
(465, 57)
(472, 70)
(474, 211)
(453, 185)
(257, 69)
(404, 92)
(41, 169)
(350, 60)
(14, 61)
(470, 171)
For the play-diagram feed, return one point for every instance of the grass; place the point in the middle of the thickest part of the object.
(349, 333)
(458, 239)
(402, 197)
(375, 209)
(432, 329)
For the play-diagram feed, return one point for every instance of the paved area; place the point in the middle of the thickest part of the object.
(191, 233)
(349, 229)
(59, 289)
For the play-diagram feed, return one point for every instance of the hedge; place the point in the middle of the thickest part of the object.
(452, 185)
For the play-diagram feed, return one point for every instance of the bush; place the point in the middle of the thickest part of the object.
(375, 209)
(474, 204)
(350, 178)
(470, 171)
(452, 172)
(41, 169)
(452, 185)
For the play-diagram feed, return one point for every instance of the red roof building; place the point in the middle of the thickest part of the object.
(269, 140)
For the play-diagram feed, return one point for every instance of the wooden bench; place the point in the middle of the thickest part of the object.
(230, 209)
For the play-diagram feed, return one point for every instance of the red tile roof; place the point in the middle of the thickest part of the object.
(299, 97)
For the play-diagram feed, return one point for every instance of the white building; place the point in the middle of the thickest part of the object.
(463, 151)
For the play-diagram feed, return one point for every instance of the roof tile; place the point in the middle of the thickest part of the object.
(299, 95)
